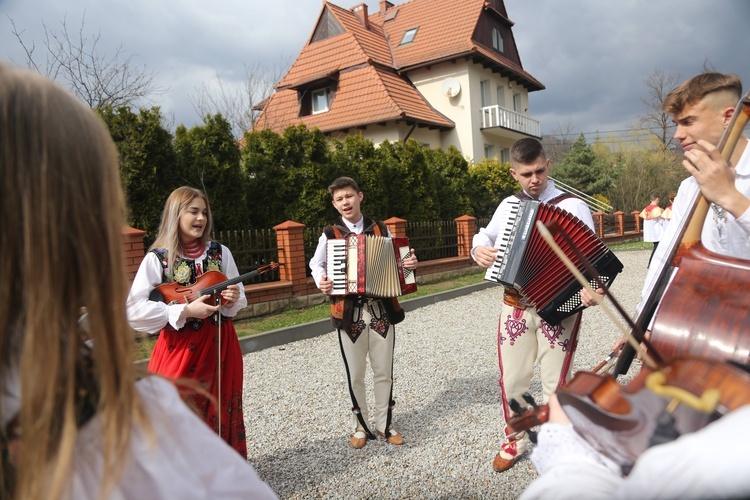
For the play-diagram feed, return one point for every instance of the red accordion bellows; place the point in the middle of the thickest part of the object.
(527, 263)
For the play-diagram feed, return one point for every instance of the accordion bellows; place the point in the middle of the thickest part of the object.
(527, 263)
(369, 265)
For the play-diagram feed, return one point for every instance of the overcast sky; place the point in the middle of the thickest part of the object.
(591, 55)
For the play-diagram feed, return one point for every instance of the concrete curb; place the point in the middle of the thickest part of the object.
(283, 336)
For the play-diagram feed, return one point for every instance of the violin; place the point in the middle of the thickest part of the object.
(209, 283)
(691, 390)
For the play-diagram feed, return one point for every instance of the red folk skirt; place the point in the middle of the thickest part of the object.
(189, 357)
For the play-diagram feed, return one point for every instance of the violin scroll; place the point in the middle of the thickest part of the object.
(525, 419)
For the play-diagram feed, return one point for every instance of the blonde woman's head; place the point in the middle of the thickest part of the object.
(61, 237)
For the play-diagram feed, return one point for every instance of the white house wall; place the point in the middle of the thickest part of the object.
(458, 109)
(465, 108)
(394, 132)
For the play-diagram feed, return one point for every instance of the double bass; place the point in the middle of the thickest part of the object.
(706, 308)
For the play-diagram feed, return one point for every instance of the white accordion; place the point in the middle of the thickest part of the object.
(370, 265)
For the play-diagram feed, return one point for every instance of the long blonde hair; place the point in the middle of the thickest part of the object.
(61, 238)
(168, 236)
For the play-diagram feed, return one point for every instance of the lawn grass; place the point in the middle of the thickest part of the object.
(631, 245)
(293, 317)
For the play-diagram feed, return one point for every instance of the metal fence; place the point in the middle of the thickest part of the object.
(430, 240)
(433, 240)
(251, 248)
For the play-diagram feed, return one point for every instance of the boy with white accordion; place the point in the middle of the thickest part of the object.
(365, 324)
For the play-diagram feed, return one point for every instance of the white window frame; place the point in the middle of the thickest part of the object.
(489, 151)
(484, 93)
(500, 96)
(504, 155)
(409, 36)
(497, 40)
(517, 103)
(320, 93)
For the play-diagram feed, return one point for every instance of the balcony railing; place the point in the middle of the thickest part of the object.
(497, 116)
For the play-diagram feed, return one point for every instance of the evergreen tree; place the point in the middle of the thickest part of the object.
(452, 172)
(209, 159)
(489, 183)
(583, 169)
(147, 163)
(263, 166)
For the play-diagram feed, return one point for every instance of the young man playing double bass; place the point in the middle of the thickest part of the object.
(702, 107)
(707, 463)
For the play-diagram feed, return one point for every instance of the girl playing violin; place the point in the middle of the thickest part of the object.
(74, 422)
(187, 344)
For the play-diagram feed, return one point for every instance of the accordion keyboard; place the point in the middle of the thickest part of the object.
(509, 215)
(336, 257)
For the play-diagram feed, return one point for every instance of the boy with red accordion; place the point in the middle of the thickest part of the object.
(523, 336)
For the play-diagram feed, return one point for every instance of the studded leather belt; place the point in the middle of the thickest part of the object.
(512, 298)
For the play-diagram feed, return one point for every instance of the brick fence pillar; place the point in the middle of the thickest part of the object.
(291, 244)
(620, 222)
(599, 223)
(637, 216)
(132, 240)
(396, 226)
(466, 226)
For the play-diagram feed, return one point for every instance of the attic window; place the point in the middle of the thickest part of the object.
(409, 36)
(497, 40)
(321, 100)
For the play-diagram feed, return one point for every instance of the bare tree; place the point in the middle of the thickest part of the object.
(557, 144)
(655, 120)
(76, 61)
(236, 104)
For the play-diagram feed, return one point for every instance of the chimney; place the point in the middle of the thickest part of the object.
(385, 5)
(361, 12)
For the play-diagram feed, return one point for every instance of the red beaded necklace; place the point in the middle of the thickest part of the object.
(193, 250)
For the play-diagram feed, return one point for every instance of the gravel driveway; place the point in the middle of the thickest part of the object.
(447, 405)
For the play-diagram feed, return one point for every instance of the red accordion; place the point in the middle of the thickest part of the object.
(527, 263)
(369, 265)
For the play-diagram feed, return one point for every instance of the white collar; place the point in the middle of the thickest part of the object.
(356, 227)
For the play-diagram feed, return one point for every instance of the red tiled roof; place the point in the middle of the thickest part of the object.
(444, 27)
(323, 58)
(372, 40)
(365, 95)
(369, 64)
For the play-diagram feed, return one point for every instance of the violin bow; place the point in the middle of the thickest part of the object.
(218, 365)
(653, 359)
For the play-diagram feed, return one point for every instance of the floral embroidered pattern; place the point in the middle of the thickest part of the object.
(356, 328)
(720, 217)
(565, 345)
(182, 273)
(379, 323)
(514, 327)
(552, 333)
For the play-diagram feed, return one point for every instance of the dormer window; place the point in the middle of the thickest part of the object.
(321, 100)
(409, 36)
(497, 40)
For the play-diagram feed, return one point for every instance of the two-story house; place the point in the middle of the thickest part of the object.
(443, 72)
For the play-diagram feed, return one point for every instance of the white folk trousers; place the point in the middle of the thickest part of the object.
(379, 349)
